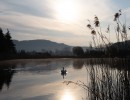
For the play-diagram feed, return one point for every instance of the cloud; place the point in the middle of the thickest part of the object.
(36, 19)
(33, 7)
(41, 97)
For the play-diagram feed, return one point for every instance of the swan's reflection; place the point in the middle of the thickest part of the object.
(63, 72)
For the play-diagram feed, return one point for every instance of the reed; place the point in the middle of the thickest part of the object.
(105, 81)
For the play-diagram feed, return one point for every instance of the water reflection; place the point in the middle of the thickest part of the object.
(102, 79)
(63, 72)
(67, 95)
(78, 64)
(108, 84)
(109, 79)
(6, 75)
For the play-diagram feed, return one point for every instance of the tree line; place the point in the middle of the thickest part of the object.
(7, 47)
(119, 49)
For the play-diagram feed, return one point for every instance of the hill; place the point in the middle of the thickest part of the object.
(40, 45)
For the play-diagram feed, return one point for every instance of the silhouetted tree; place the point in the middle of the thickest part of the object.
(2, 42)
(78, 51)
(9, 43)
(7, 47)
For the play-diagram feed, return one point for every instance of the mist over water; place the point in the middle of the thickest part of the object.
(41, 79)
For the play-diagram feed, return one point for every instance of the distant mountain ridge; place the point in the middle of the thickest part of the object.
(39, 45)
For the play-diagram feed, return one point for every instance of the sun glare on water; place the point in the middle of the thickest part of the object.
(67, 96)
(67, 10)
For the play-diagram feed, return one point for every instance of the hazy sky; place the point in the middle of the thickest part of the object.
(59, 20)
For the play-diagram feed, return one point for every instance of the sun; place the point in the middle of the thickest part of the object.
(66, 10)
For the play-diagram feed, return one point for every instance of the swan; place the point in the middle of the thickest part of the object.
(63, 72)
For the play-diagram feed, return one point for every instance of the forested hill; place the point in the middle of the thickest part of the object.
(40, 45)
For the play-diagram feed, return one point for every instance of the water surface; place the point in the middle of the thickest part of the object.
(40, 79)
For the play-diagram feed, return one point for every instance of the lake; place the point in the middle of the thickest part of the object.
(86, 79)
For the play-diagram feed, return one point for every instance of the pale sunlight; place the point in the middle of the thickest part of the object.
(67, 10)
(67, 96)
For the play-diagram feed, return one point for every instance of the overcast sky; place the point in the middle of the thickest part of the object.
(59, 20)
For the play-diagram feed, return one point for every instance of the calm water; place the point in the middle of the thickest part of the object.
(42, 80)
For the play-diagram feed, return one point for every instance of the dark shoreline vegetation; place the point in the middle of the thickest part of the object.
(113, 52)
(116, 50)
